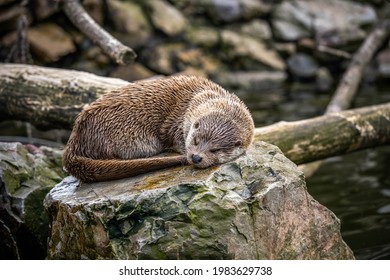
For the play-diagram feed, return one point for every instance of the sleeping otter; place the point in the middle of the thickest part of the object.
(117, 134)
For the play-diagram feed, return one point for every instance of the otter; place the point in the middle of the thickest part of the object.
(117, 135)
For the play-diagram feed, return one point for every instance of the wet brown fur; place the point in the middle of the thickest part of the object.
(118, 133)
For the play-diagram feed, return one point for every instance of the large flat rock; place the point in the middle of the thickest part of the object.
(256, 207)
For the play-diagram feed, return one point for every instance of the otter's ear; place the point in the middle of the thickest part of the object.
(196, 125)
(237, 144)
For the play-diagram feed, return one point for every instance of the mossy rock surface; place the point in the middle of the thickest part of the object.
(27, 174)
(256, 207)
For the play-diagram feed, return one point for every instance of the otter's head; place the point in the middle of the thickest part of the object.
(214, 139)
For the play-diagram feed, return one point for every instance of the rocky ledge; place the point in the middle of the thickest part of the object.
(27, 173)
(256, 207)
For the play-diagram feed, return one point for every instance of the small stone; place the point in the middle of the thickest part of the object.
(44, 8)
(166, 17)
(307, 43)
(203, 36)
(130, 22)
(50, 42)
(234, 10)
(257, 28)
(293, 20)
(161, 57)
(95, 9)
(196, 59)
(132, 72)
(96, 54)
(288, 32)
(253, 81)
(285, 49)
(302, 65)
(240, 46)
(341, 38)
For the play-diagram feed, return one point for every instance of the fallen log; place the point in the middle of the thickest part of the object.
(329, 135)
(51, 98)
(48, 97)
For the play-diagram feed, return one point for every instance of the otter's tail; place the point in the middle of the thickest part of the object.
(94, 170)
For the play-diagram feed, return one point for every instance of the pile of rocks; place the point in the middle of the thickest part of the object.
(27, 173)
(251, 44)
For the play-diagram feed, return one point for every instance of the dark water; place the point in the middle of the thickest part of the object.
(356, 187)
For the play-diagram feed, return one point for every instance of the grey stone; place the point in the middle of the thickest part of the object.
(293, 20)
(253, 81)
(302, 65)
(257, 28)
(132, 72)
(27, 173)
(166, 17)
(255, 207)
(203, 36)
(287, 31)
(130, 23)
(233, 10)
(50, 42)
(160, 58)
(239, 46)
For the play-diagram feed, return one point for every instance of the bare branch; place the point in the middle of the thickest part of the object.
(346, 90)
(111, 46)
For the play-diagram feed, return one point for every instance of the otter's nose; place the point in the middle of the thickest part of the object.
(196, 159)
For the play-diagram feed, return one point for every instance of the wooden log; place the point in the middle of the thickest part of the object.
(329, 135)
(51, 98)
(48, 97)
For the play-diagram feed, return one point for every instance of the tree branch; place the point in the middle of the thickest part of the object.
(111, 46)
(346, 90)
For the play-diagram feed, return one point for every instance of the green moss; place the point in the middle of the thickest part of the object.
(11, 180)
(152, 252)
(36, 218)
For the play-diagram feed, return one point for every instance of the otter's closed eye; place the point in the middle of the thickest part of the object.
(215, 150)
